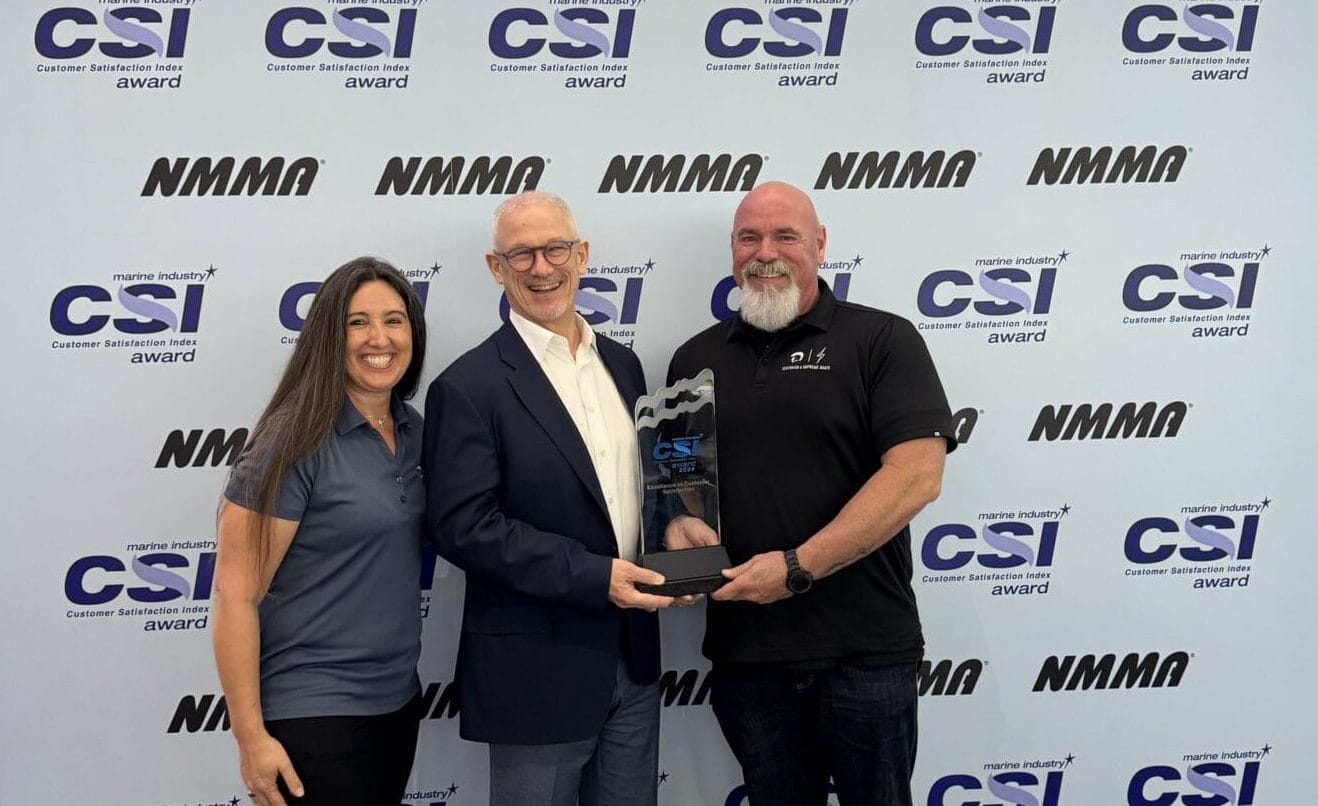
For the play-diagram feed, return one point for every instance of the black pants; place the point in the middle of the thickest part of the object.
(350, 760)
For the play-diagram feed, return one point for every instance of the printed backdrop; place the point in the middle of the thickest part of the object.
(1100, 215)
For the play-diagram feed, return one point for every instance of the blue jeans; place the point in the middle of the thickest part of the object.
(792, 731)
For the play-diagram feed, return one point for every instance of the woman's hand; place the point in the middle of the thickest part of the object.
(262, 761)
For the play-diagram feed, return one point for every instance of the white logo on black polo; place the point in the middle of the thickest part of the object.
(812, 358)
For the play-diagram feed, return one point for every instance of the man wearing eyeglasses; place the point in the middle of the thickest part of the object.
(531, 470)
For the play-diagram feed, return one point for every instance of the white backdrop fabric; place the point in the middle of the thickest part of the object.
(1099, 214)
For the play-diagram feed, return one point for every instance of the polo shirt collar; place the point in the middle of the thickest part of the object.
(818, 317)
(350, 418)
(539, 338)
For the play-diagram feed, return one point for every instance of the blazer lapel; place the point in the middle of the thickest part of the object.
(613, 361)
(537, 394)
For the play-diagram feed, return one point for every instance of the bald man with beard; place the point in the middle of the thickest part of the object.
(832, 430)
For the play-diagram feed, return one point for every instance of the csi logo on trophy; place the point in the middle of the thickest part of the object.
(679, 487)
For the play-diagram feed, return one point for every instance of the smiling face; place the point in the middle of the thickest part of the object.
(544, 294)
(378, 346)
(777, 246)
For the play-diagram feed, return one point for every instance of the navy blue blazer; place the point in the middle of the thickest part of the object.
(513, 500)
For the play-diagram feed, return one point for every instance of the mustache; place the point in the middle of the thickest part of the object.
(774, 268)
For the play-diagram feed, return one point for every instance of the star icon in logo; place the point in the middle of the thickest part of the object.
(1062, 256)
(1069, 758)
(1267, 748)
(234, 801)
(649, 264)
(1066, 508)
(435, 268)
(663, 776)
(1265, 250)
(855, 261)
(210, 271)
(1265, 502)
(451, 790)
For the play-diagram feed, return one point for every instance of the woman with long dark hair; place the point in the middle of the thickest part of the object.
(316, 608)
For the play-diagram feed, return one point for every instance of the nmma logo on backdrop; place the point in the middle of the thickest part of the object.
(199, 447)
(798, 46)
(1211, 544)
(590, 44)
(460, 175)
(941, 678)
(1007, 301)
(1134, 670)
(1211, 296)
(225, 176)
(1006, 43)
(855, 170)
(152, 316)
(295, 302)
(370, 43)
(1072, 165)
(141, 47)
(1106, 421)
(680, 173)
(1005, 552)
(1209, 41)
(1200, 779)
(209, 713)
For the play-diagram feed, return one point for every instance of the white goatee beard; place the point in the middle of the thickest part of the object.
(769, 309)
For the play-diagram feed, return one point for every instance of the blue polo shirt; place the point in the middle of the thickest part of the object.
(341, 623)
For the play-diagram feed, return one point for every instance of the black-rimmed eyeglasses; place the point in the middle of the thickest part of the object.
(556, 253)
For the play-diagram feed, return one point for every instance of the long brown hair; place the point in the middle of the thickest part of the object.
(307, 402)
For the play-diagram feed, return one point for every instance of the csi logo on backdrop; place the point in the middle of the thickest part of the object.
(1006, 43)
(591, 45)
(1035, 782)
(797, 46)
(1210, 296)
(1211, 544)
(295, 302)
(1010, 551)
(608, 298)
(1207, 41)
(1006, 300)
(372, 43)
(725, 300)
(1200, 779)
(166, 583)
(154, 315)
(140, 46)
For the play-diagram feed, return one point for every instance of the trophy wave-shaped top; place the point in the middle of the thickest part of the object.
(702, 385)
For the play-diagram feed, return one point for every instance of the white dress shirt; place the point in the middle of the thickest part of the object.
(597, 409)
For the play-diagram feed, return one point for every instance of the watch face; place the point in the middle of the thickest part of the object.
(799, 582)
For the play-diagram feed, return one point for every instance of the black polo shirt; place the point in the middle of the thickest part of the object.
(803, 417)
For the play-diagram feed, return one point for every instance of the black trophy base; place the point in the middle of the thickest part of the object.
(687, 571)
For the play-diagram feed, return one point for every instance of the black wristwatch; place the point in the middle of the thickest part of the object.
(799, 580)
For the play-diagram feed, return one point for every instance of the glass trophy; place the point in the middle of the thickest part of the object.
(679, 487)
